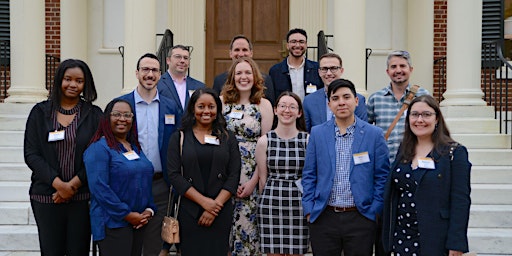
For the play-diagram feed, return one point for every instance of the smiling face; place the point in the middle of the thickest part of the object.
(399, 70)
(178, 61)
(244, 77)
(329, 63)
(422, 126)
(240, 49)
(287, 110)
(120, 125)
(343, 103)
(148, 73)
(205, 110)
(297, 44)
(72, 83)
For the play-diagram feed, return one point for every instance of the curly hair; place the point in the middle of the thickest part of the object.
(230, 93)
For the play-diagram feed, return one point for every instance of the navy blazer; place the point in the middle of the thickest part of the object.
(281, 76)
(166, 106)
(167, 88)
(315, 109)
(221, 79)
(442, 200)
(367, 180)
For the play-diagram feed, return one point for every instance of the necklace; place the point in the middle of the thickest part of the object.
(71, 111)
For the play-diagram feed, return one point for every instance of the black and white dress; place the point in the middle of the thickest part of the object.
(283, 227)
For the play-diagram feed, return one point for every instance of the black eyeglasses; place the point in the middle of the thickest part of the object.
(333, 69)
(146, 70)
(424, 115)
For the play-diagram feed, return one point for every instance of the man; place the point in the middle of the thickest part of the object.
(316, 107)
(239, 47)
(175, 84)
(384, 105)
(296, 73)
(343, 178)
(156, 117)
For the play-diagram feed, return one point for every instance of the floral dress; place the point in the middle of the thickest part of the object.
(244, 238)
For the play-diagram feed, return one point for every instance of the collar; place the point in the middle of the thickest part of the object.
(299, 67)
(137, 98)
(350, 129)
(175, 80)
(390, 92)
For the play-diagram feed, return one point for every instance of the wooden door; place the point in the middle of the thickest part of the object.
(264, 22)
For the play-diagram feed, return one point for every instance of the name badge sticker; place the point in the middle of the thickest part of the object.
(236, 114)
(170, 119)
(131, 155)
(211, 140)
(56, 136)
(310, 88)
(427, 163)
(361, 158)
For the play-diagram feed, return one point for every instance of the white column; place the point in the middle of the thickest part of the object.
(27, 51)
(350, 39)
(73, 29)
(140, 37)
(463, 54)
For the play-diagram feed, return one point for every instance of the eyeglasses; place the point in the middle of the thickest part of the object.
(146, 70)
(424, 115)
(283, 107)
(333, 69)
(179, 57)
(297, 41)
(118, 115)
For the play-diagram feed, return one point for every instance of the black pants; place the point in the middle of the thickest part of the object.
(122, 241)
(347, 232)
(64, 229)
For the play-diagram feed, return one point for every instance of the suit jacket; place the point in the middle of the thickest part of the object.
(316, 113)
(224, 172)
(221, 79)
(281, 76)
(367, 180)
(166, 106)
(442, 200)
(167, 88)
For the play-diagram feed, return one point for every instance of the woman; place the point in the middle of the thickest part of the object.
(120, 178)
(248, 115)
(427, 196)
(280, 156)
(205, 173)
(57, 133)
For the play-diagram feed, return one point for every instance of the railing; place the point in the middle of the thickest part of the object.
(166, 44)
(440, 74)
(51, 64)
(5, 76)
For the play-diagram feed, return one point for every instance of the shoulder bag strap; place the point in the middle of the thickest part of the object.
(412, 92)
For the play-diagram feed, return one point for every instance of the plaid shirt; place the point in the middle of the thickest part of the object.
(382, 108)
(341, 194)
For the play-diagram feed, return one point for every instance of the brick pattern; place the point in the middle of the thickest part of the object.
(440, 22)
(52, 20)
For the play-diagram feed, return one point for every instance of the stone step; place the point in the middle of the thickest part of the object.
(19, 237)
(13, 122)
(491, 194)
(501, 141)
(11, 138)
(16, 213)
(473, 125)
(490, 241)
(491, 174)
(16, 108)
(490, 157)
(467, 111)
(14, 172)
(11, 154)
(490, 216)
(14, 191)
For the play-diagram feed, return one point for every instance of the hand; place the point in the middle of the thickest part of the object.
(137, 220)
(212, 206)
(65, 189)
(245, 189)
(206, 219)
(58, 199)
(307, 217)
(454, 253)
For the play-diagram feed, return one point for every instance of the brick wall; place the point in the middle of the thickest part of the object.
(440, 16)
(52, 10)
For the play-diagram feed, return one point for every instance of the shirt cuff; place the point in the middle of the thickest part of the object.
(151, 210)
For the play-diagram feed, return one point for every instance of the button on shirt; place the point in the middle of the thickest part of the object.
(341, 193)
(147, 127)
(297, 79)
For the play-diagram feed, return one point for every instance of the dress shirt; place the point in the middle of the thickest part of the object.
(147, 127)
(297, 79)
(341, 193)
(181, 88)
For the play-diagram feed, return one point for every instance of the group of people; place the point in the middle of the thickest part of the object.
(261, 164)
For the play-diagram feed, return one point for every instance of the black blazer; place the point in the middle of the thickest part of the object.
(225, 168)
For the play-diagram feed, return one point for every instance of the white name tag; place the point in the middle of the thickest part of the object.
(426, 163)
(131, 155)
(56, 136)
(170, 119)
(298, 183)
(211, 140)
(361, 158)
(310, 88)
(236, 114)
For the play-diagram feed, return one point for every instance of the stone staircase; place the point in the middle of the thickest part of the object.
(490, 232)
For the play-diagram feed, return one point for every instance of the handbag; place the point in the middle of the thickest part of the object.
(170, 224)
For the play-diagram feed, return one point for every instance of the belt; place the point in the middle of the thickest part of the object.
(158, 175)
(342, 209)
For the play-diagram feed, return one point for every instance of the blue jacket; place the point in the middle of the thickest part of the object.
(166, 106)
(281, 76)
(442, 200)
(316, 113)
(167, 88)
(367, 180)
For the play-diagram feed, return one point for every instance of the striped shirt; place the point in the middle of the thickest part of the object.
(382, 109)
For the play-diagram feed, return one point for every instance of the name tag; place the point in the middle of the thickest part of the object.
(310, 88)
(56, 136)
(211, 140)
(170, 119)
(361, 158)
(190, 92)
(236, 114)
(426, 163)
(298, 183)
(131, 155)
